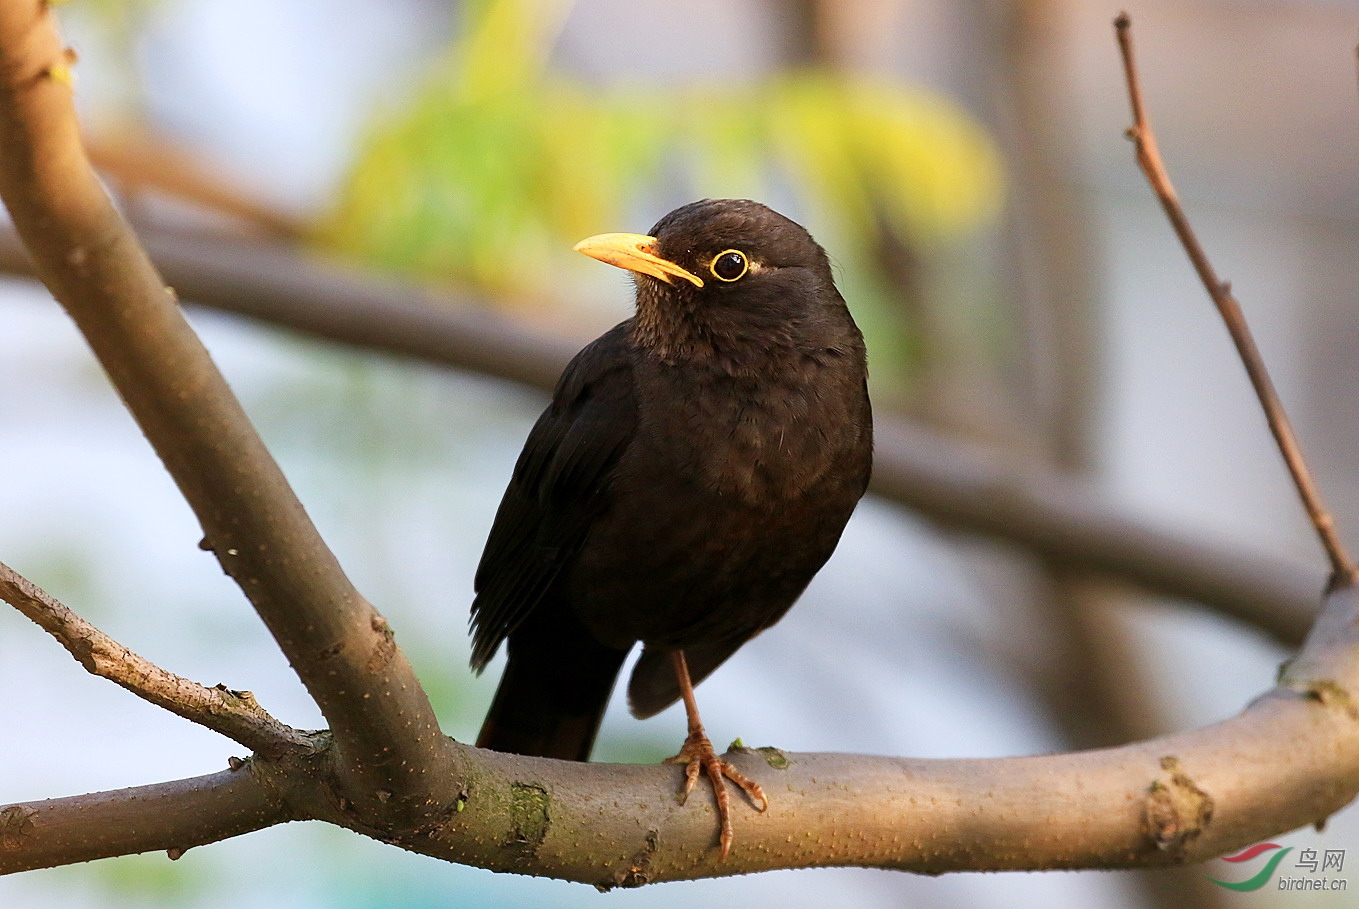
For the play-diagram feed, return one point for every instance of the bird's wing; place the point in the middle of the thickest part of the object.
(560, 483)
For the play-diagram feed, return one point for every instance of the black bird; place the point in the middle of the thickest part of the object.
(694, 470)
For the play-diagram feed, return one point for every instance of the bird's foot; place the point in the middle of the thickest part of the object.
(698, 754)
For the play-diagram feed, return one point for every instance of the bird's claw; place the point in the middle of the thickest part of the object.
(697, 755)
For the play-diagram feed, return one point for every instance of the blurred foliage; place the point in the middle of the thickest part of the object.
(119, 19)
(149, 879)
(496, 165)
(109, 10)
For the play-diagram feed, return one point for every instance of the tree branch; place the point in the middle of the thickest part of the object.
(88, 257)
(1290, 759)
(965, 486)
(235, 714)
(1178, 799)
(137, 161)
(1149, 159)
(1069, 523)
(170, 816)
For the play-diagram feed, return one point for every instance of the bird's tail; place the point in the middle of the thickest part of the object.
(552, 696)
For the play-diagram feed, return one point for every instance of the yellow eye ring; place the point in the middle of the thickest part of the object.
(729, 265)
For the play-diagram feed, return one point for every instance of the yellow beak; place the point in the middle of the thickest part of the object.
(635, 252)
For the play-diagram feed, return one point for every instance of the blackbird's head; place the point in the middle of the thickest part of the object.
(722, 274)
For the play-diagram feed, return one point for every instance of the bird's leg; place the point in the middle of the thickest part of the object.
(698, 753)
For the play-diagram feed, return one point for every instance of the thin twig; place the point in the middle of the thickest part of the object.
(235, 714)
(1149, 159)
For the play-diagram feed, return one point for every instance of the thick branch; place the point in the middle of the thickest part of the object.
(1180, 799)
(965, 486)
(167, 816)
(90, 260)
(1292, 758)
(234, 714)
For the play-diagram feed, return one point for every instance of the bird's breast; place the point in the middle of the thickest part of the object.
(765, 440)
(731, 495)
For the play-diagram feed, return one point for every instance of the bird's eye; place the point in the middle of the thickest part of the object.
(730, 265)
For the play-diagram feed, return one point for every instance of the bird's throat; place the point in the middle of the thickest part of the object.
(679, 330)
(667, 325)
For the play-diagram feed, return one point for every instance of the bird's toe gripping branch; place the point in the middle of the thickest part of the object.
(698, 754)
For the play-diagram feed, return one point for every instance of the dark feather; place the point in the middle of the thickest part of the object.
(559, 484)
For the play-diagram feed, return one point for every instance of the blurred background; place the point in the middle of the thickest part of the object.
(965, 165)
